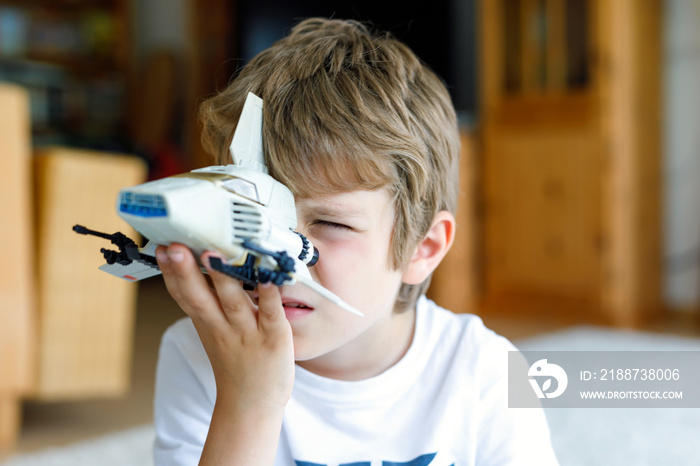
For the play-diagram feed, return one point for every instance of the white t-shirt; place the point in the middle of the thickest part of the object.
(444, 403)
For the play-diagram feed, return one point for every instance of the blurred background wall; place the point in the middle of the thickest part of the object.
(682, 152)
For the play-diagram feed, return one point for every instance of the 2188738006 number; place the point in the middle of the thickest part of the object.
(640, 374)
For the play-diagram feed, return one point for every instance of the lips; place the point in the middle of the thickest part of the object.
(296, 309)
(296, 305)
(293, 307)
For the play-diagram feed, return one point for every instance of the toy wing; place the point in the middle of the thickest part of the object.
(142, 267)
(130, 263)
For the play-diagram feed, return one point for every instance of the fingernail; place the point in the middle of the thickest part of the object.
(162, 257)
(176, 256)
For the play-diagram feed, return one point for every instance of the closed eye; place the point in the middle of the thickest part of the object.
(331, 225)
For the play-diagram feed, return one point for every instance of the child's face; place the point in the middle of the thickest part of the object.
(352, 232)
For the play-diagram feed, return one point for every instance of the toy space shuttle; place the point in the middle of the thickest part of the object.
(238, 210)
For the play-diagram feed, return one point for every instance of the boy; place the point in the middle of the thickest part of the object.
(366, 138)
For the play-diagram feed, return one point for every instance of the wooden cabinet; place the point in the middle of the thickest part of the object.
(17, 250)
(570, 141)
(66, 328)
(85, 317)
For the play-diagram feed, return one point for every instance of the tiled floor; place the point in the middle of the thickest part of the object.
(55, 424)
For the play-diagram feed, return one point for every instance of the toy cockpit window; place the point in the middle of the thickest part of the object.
(242, 188)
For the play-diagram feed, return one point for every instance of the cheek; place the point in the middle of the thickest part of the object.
(338, 264)
(357, 271)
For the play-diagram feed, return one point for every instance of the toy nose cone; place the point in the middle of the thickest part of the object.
(314, 259)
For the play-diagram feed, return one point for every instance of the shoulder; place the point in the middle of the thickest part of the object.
(460, 348)
(463, 333)
(477, 358)
(473, 356)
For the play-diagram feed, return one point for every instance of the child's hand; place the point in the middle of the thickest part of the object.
(250, 347)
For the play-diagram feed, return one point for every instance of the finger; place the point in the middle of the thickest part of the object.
(167, 271)
(162, 259)
(235, 302)
(271, 318)
(188, 287)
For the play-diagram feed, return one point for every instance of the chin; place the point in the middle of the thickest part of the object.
(305, 354)
(306, 350)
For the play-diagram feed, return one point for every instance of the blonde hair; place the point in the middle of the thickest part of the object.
(347, 109)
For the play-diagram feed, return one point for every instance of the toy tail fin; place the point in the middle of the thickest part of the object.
(246, 146)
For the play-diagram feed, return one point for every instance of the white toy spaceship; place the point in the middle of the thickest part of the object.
(238, 210)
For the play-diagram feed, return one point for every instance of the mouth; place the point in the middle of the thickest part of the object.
(293, 308)
(296, 305)
(296, 310)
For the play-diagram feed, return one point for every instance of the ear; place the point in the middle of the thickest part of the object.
(431, 249)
